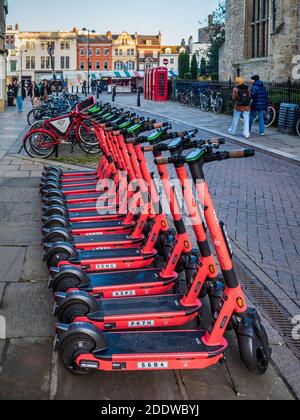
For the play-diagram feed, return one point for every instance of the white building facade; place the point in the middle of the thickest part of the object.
(169, 57)
(29, 58)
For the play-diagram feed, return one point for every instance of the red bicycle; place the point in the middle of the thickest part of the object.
(74, 127)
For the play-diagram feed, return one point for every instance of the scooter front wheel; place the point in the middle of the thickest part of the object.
(254, 346)
(73, 347)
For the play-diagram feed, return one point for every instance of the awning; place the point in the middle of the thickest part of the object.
(127, 74)
(172, 74)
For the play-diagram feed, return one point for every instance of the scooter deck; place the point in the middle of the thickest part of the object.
(123, 278)
(108, 240)
(187, 342)
(136, 306)
(113, 224)
(108, 254)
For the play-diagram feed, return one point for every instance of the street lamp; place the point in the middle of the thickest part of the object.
(89, 32)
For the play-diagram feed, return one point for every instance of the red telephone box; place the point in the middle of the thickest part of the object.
(160, 84)
(156, 84)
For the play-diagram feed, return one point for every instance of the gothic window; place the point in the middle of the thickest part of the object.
(257, 21)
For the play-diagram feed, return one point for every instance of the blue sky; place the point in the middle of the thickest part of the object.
(176, 19)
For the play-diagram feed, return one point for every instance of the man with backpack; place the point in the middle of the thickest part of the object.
(242, 106)
(259, 103)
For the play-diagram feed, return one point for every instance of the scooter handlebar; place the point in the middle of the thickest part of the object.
(239, 154)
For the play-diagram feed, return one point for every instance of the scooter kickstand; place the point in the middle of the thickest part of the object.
(234, 386)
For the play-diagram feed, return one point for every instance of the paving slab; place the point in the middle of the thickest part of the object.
(214, 383)
(34, 269)
(27, 308)
(20, 234)
(18, 195)
(20, 211)
(26, 372)
(117, 386)
(11, 263)
(23, 183)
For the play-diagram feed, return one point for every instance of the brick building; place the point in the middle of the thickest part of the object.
(100, 52)
(3, 13)
(262, 36)
(148, 51)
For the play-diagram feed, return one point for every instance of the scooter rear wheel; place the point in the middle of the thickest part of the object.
(73, 310)
(67, 284)
(72, 348)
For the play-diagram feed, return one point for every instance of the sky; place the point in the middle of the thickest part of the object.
(176, 19)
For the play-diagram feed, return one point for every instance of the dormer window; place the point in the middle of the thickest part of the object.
(148, 42)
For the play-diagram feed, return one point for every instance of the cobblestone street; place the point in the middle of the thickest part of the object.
(257, 198)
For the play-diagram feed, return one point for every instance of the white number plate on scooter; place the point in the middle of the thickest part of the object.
(106, 266)
(153, 365)
(136, 324)
(124, 293)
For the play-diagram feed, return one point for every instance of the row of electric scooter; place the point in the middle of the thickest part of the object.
(118, 262)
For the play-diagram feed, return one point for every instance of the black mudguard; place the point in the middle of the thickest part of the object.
(49, 211)
(60, 247)
(65, 331)
(65, 234)
(68, 271)
(64, 300)
(63, 221)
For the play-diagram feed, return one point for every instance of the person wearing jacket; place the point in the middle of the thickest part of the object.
(19, 94)
(45, 91)
(259, 103)
(241, 97)
(34, 94)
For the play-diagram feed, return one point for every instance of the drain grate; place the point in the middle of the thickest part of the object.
(269, 306)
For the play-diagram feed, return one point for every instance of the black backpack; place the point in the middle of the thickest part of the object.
(243, 96)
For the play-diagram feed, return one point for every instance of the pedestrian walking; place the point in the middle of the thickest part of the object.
(20, 94)
(259, 105)
(34, 94)
(45, 91)
(241, 97)
(84, 88)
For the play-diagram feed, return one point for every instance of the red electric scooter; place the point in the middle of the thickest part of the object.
(159, 311)
(84, 348)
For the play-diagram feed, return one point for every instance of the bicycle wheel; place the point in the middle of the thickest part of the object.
(89, 149)
(298, 128)
(86, 133)
(218, 105)
(205, 104)
(270, 116)
(32, 116)
(39, 145)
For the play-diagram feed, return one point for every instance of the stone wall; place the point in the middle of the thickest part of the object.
(283, 45)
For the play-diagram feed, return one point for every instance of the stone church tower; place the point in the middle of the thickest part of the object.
(262, 37)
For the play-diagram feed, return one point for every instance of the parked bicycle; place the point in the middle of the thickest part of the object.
(211, 101)
(74, 127)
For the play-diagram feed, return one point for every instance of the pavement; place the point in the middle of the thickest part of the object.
(249, 197)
